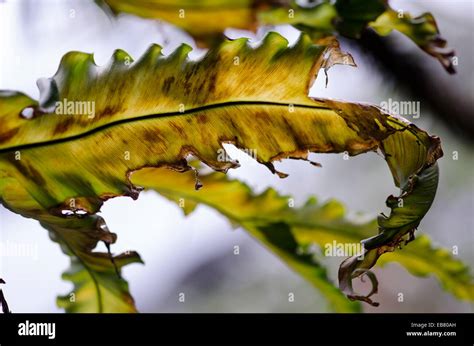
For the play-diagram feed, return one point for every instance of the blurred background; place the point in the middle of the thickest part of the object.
(194, 255)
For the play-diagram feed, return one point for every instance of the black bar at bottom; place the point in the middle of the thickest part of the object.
(274, 329)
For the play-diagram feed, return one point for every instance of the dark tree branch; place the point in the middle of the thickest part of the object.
(446, 102)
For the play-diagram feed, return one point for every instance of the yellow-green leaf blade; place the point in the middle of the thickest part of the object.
(158, 110)
(98, 286)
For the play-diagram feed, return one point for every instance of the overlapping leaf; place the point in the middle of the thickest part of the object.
(98, 286)
(207, 20)
(63, 159)
(289, 230)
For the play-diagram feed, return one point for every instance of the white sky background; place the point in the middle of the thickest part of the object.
(34, 35)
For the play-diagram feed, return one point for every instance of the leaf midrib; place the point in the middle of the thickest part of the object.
(155, 116)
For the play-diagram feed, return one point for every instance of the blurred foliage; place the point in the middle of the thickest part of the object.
(207, 20)
(290, 232)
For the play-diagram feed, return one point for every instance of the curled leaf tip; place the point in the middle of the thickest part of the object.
(349, 270)
(361, 273)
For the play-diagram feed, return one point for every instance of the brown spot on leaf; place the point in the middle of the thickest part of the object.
(201, 118)
(109, 111)
(6, 136)
(36, 176)
(177, 128)
(150, 136)
(61, 127)
(212, 83)
(167, 84)
(234, 126)
(294, 134)
(28, 171)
